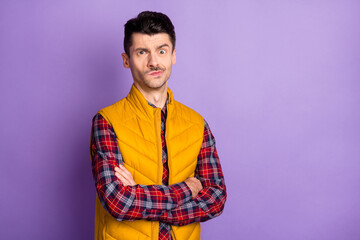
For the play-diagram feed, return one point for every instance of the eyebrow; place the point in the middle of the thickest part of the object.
(141, 49)
(163, 45)
(146, 49)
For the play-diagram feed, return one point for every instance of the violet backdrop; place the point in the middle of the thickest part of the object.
(278, 82)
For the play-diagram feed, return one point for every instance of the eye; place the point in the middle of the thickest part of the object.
(162, 51)
(142, 52)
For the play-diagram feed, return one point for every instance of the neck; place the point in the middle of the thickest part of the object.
(155, 96)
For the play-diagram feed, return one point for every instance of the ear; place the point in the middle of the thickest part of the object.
(126, 60)
(173, 57)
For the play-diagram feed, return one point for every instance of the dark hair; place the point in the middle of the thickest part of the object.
(149, 23)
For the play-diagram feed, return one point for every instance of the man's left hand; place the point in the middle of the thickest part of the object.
(124, 176)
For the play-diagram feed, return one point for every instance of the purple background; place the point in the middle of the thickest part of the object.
(278, 82)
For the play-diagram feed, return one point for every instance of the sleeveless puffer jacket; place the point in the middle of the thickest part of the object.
(137, 128)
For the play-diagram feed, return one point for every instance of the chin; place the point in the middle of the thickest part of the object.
(155, 85)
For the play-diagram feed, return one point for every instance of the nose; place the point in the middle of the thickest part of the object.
(153, 60)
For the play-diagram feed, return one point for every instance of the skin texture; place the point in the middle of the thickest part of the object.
(150, 61)
(195, 185)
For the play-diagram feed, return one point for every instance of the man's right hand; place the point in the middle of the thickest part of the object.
(195, 185)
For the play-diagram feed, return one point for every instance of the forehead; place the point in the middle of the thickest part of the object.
(142, 40)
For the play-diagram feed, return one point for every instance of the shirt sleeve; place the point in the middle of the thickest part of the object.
(210, 201)
(127, 202)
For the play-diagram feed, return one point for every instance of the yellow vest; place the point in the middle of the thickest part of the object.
(137, 126)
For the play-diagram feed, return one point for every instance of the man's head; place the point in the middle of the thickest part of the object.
(149, 50)
(149, 23)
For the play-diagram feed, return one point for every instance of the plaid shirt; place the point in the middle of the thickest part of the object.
(171, 205)
(164, 228)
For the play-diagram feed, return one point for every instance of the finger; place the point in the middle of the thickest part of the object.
(122, 179)
(127, 174)
(124, 175)
(123, 168)
(117, 174)
(128, 177)
(117, 170)
(198, 184)
(120, 169)
(132, 182)
(198, 188)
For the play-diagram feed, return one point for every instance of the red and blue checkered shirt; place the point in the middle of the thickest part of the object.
(170, 205)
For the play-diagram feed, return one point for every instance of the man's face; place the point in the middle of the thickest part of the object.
(151, 59)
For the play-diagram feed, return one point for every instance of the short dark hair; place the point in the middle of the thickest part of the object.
(149, 23)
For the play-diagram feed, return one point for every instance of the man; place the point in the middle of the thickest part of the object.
(154, 160)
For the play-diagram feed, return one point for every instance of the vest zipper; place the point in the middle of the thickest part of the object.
(168, 145)
(154, 231)
(157, 122)
(170, 181)
(159, 144)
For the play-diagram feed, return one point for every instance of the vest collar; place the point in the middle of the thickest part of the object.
(142, 107)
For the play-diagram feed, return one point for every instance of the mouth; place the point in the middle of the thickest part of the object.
(155, 73)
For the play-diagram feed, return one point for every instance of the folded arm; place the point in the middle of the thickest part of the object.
(128, 202)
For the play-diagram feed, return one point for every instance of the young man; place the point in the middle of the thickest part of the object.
(154, 160)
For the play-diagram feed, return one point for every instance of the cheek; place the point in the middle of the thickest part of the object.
(137, 66)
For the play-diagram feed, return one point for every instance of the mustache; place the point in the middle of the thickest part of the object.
(154, 69)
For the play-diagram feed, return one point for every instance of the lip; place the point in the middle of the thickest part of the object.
(155, 73)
